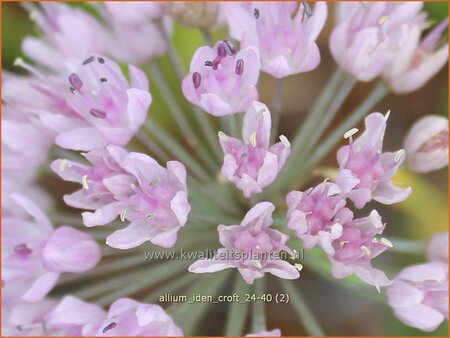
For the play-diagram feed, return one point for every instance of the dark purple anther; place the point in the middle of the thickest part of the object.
(22, 249)
(109, 327)
(256, 13)
(239, 67)
(101, 60)
(98, 113)
(229, 47)
(103, 79)
(75, 81)
(196, 79)
(215, 63)
(221, 51)
(208, 63)
(72, 90)
(88, 60)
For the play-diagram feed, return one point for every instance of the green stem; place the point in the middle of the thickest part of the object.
(237, 312)
(154, 149)
(258, 312)
(301, 307)
(207, 37)
(276, 108)
(171, 287)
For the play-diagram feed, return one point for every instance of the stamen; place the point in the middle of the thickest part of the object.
(100, 60)
(384, 19)
(260, 112)
(344, 242)
(100, 114)
(75, 81)
(123, 214)
(132, 186)
(150, 215)
(307, 8)
(229, 47)
(208, 63)
(155, 182)
(366, 250)
(109, 327)
(257, 264)
(22, 249)
(374, 240)
(386, 242)
(72, 90)
(387, 115)
(103, 79)
(285, 141)
(399, 155)
(84, 182)
(239, 70)
(221, 51)
(298, 266)
(256, 13)
(253, 139)
(196, 79)
(222, 135)
(88, 60)
(350, 133)
(63, 165)
(294, 254)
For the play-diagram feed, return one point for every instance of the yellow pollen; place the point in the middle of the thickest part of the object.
(350, 133)
(386, 242)
(285, 141)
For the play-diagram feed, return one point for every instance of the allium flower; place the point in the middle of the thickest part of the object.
(370, 33)
(136, 12)
(317, 215)
(195, 14)
(426, 144)
(35, 255)
(357, 246)
(419, 295)
(251, 164)
(127, 317)
(133, 186)
(418, 61)
(283, 32)
(438, 248)
(113, 108)
(222, 81)
(251, 247)
(366, 172)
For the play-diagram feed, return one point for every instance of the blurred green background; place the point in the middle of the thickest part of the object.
(417, 219)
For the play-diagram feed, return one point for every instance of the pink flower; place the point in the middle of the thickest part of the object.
(113, 108)
(419, 295)
(283, 33)
(426, 144)
(157, 206)
(35, 254)
(138, 12)
(251, 164)
(133, 186)
(356, 247)
(251, 247)
(318, 215)
(366, 172)
(418, 61)
(369, 34)
(437, 250)
(127, 317)
(273, 333)
(221, 81)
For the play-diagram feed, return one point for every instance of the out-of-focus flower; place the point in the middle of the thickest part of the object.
(419, 295)
(358, 245)
(317, 215)
(221, 81)
(35, 254)
(136, 12)
(195, 14)
(127, 317)
(370, 33)
(251, 247)
(426, 144)
(273, 333)
(438, 248)
(112, 108)
(366, 172)
(157, 207)
(418, 61)
(284, 33)
(251, 164)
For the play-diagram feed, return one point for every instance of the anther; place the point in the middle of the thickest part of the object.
(84, 182)
(109, 327)
(100, 60)
(22, 249)
(123, 214)
(253, 139)
(366, 250)
(229, 47)
(103, 79)
(257, 264)
(386, 242)
(155, 182)
(72, 90)
(239, 70)
(399, 155)
(75, 81)
(298, 266)
(63, 165)
(88, 60)
(100, 114)
(307, 8)
(384, 19)
(221, 51)
(150, 215)
(285, 141)
(350, 133)
(260, 112)
(222, 136)
(208, 63)
(256, 13)
(196, 79)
